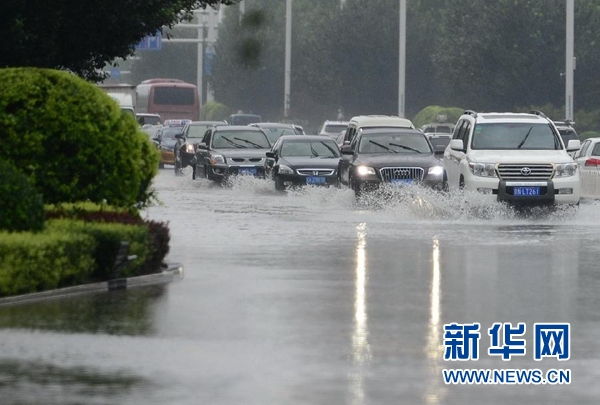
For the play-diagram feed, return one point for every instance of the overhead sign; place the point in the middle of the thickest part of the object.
(150, 43)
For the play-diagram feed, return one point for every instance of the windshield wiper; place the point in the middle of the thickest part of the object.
(383, 146)
(405, 147)
(237, 145)
(251, 143)
(330, 149)
(524, 139)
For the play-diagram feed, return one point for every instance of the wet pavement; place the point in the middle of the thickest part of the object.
(314, 298)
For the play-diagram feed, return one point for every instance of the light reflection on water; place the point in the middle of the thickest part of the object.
(361, 352)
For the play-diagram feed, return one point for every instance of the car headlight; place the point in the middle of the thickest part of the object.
(365, 170)
(435, 170)
(217, 159)
(483, 169)
(565, 169)
(283, 169)
(189, 148)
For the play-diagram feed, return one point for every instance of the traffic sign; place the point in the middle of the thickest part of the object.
(150, 43)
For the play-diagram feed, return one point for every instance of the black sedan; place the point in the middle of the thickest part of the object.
(231, 150)
(303, 160)
(390, 156)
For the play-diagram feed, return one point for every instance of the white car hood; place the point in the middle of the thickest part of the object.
(519, 156)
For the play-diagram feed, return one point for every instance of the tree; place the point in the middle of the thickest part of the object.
(83, 36)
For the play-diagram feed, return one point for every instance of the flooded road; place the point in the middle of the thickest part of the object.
(313, 298)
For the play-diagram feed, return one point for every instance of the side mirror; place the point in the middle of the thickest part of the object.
(271, 155)
(439, 150)
(573, 145)
(347, 150)
(156, 139)
(457, 144)
(202, 146)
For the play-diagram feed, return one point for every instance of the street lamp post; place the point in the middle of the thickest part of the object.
(570, 60)
(288, 57)
(402, 59)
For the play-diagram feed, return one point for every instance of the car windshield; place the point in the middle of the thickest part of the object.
(170, 132)
(334, 128)
(240, 140)
(326, 148)
(197, 131)
(514, 135)
(275, 133)
(394, 143)
(440, 141)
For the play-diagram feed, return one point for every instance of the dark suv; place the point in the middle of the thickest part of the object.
(231, 150)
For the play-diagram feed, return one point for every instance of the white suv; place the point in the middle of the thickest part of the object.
(514, 157)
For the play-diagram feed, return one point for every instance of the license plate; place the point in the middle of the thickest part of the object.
(316, 180)
(402, 182)
(247, 171)
(526, 191)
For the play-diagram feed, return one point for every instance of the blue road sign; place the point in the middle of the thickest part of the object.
(150, 43)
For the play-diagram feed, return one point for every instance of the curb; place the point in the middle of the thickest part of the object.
(174, 272)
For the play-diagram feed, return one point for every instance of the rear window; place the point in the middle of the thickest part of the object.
(335, 128)
(174, 96)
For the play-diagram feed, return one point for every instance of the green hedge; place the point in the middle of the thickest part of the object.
(214, 111)
(108, 237)
(22, 207)
(35, 262)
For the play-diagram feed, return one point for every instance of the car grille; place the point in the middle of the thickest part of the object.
(524, 171)
(315, 172)
(245, 160)
(401, 173)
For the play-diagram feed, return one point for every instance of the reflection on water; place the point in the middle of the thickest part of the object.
(361, 353)
(127, 312)
(434, 348)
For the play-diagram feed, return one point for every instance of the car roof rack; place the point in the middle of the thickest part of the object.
(471, 112)
(536, 112)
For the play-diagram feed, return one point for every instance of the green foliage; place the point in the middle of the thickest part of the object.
(22, 208)
(433, 112)
(589, 134)
(50, 259)
(83, 36)
(72, 141)
(108, 237)
(214, 111)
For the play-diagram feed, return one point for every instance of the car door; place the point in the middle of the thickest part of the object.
(581, 155)
(452, 158)
(347, 160)
(203, 155)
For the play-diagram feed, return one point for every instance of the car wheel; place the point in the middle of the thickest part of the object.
(279, 186)
(194, 172)
(461, 183)
(205, 172)
(445, 186)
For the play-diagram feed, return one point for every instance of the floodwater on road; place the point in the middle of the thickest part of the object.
(311, 297)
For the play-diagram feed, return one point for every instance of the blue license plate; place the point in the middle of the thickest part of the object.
(402, 182)
(316, 180)
(247, 171)
(526, 191)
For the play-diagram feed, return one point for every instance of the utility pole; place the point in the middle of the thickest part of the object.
(570, 60)
(402, 59)
(288, 56)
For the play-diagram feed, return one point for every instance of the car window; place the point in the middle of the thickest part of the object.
(275, 133)
(514, 135)
(584, 148)
(309, 149)
(197, 131)
(596, 150)
(206, 138)
(240, 140)
(407, 144)
(457, 130)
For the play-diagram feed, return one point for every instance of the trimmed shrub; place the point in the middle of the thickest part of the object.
(22, 208)
(588, 134)
(108, 237)
(214, 111)
(71, 139)
(431, 113)
(46, 260)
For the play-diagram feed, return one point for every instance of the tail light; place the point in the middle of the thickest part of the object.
(592, 162)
